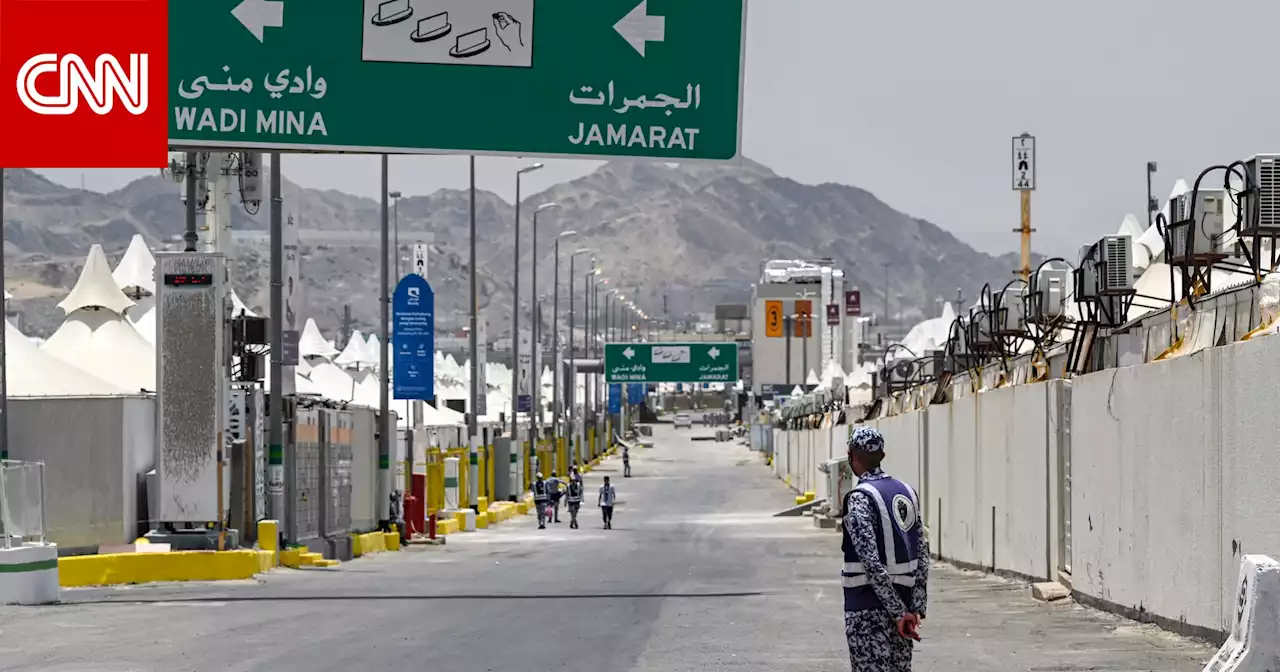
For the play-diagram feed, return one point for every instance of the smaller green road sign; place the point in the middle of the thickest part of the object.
(671, 363)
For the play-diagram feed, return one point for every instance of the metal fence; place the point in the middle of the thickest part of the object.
(22, 512)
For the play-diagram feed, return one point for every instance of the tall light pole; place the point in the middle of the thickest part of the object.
(515, 308)
(395, 197)
(573, 370)
(555, 339)
(536, 389)
(477, 382)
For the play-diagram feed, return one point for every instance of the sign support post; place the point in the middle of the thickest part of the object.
(1024, 182)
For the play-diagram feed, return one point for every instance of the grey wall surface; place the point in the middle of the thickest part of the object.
(94, 450)
(365, 508)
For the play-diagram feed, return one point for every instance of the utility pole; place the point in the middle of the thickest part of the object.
(275, 403)
(4, 328)
(476, 384)
(388, 428)
(1151, 202)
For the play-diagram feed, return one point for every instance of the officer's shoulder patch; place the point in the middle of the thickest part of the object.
(904, 511)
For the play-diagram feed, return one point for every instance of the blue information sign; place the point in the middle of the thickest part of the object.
(413, 339)
(635, 393)
(524, 403)
(615, 397)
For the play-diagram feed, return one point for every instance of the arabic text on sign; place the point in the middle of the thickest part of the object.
(590, 96)
(283, 82)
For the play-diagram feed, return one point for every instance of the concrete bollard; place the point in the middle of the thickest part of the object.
(1253, 645)
(451, 483)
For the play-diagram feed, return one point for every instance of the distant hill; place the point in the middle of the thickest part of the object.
(694, 234)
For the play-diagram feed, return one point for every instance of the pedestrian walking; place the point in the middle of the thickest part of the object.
(573, 497)
(605, 501)
(886, 561)
(541, 495)
(626, 462)
(574, 474)
(553, 489)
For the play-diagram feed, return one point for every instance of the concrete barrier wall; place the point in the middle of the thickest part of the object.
(984, 467)
(1174, 474)
(1165, 474)
(93, 449)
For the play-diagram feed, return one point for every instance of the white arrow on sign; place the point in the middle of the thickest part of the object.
(714, 352)
(628, 353)
(258, 15)
(638, 27)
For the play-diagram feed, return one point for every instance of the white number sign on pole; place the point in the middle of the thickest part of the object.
(1024, 163)
(420, 259)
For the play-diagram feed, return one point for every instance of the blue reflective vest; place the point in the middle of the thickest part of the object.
(539, 491)
(895, 520)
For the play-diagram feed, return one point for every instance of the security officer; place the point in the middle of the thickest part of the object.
(541, 494)
(574, 498)
(553, 488)
(886, 561)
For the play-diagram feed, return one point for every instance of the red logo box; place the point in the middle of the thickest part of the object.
(83, 83)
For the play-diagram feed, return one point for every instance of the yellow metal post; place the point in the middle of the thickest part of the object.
(1026, 235)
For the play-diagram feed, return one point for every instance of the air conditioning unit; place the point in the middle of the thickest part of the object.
(1012, 314)
(1115, 264)
(980, 335)
(1046, 296)
(1202, 222)
(1086, 274)
(1262, 210)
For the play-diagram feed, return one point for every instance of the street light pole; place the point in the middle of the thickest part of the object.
(395, 216)
(515, 309)
(477, 384)
(573, 370)
(556, 360)
(535, 391)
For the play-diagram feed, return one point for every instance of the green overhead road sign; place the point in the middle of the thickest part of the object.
(576, 78)
(671, 363)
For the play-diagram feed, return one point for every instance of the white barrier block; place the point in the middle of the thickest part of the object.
(1254, 641)
(470, 524)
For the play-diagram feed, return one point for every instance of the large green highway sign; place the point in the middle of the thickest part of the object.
(585, 78)
(671, 363)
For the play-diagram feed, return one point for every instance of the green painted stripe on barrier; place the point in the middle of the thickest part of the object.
(475, 458)
(37, 566)
(275, 454)
(451, 482)
(384, 461)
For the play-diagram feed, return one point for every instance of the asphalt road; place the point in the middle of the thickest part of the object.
(695, 575)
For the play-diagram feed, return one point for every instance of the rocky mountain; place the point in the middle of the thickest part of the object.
(685, 236)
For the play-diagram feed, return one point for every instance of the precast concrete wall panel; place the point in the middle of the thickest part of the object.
(1145, 472)
(962, 518)
(1249, 386)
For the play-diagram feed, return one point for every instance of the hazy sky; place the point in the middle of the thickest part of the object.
(917, 102)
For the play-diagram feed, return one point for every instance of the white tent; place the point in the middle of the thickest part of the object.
(238, 307)
(312, 343)
(137, 268)
(930, 334)
(34, 373)
(354, 353)
(95, 336)
(373, 351)
(145, 323)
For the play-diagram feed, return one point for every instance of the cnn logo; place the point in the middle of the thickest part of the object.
(100, 87)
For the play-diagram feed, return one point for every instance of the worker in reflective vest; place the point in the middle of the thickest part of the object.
(574, 498)
(886, 561)
(541, 496)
